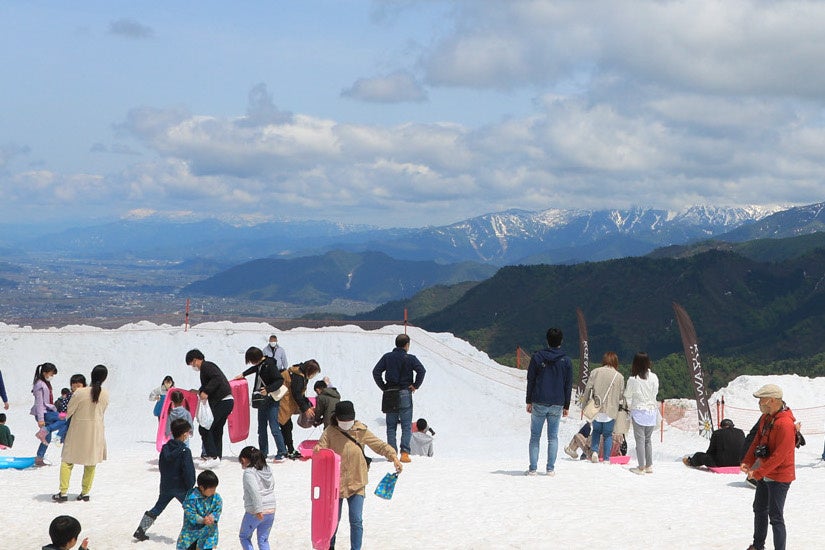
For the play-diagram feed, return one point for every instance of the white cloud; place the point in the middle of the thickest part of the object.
(398, 87)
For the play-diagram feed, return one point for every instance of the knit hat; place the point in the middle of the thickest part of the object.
(344, 410)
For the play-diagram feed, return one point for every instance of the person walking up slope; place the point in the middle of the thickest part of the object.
(549, 385)
(400, 371)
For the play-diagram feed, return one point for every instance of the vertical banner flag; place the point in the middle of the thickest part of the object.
(584, 354)
(694, 365)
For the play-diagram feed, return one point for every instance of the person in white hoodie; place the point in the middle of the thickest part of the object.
(258, 499)
(640, 394)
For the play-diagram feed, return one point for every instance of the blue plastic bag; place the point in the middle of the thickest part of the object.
(386, 487)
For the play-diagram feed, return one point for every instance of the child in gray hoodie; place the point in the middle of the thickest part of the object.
(258, 499)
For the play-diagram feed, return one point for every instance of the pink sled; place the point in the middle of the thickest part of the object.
(326, 473)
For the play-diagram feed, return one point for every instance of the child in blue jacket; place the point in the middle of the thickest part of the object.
(201, 511)
(177, 474)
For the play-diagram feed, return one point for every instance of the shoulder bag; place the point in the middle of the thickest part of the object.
(595, 404)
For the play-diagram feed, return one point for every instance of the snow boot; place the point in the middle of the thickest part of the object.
(145, 523)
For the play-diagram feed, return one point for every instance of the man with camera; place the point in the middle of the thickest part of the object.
(770, 461)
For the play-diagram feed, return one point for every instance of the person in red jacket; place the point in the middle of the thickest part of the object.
(770, 461)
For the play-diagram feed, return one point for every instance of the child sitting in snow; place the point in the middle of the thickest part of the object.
(6, 438)
(64, 530)
(421, 443)
(201, 511)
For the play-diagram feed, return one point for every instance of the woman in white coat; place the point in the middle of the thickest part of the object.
(640, 394)
(86, 439)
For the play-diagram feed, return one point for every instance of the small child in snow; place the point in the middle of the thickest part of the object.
(421, 442)
(158, 395)
(258, 499)
(178, 411)
(202, 508)
(6, 438)
(177, 474)
(64, 530)
(62, 402)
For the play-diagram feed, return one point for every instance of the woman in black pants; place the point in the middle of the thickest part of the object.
(215, 389)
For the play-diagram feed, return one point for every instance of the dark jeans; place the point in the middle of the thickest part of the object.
(286, 431)
(213, 437)
(268, 415)
(769, 504)
(163, 500)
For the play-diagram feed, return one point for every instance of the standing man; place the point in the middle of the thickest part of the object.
(770, 461)
(549, 383)
(395, 370)
(276, 352)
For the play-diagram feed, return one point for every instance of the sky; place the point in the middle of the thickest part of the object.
(406, 112)
(472, 494)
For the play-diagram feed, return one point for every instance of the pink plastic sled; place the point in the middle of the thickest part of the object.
(239, 417)
(306, 446)
(190, 400)
(725, 470)
(619, 459)
(326, 472)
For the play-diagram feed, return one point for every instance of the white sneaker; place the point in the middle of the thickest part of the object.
(210, 463)
(638, 471)
(551, 473)
(649, 470)
(530, 473)
(594, 457)
(819, 464)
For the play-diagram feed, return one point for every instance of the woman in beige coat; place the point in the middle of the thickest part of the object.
(86, 439)
(347, 437)
(607, 383)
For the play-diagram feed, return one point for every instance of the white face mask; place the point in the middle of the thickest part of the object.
(273, 345)
(346, 426)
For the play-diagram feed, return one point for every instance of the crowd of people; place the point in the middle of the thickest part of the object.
(766, 455)
(278, 394)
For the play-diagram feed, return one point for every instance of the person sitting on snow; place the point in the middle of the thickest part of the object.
(421, 441)
(725, 448)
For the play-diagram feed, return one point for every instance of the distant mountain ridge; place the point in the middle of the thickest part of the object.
(503, 238)
(370, 277)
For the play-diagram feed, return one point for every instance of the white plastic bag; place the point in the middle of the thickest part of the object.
(205, 417)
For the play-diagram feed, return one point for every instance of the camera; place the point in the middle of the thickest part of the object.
(761, 451)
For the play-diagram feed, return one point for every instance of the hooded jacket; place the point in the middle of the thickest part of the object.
(325, 406)
(354, 473)
(550, 378)
(258, 490)
(195, 508)
(779, 434)
(177, 471)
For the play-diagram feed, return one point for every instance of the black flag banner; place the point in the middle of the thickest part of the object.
(584, 354)
(694, 365)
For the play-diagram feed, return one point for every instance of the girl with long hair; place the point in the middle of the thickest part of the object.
(43, 410)
(640, 394)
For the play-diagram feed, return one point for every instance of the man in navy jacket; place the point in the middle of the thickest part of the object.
(402, 370)
(549, 385)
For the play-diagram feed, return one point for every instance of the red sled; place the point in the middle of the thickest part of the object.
(620, 459)
(238, 420)
(725, 470)
(190, 401)
(326, 474)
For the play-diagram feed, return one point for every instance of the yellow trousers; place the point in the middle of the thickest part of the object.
(66, 474)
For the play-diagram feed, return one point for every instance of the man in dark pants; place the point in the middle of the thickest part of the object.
(770, 461)
(399, 369)
(725, 449)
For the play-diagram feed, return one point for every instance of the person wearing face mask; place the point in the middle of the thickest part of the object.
(348, 437)
(295, 401)
(276, 352)
(215, 390)
(770, 460)
(43, 410)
